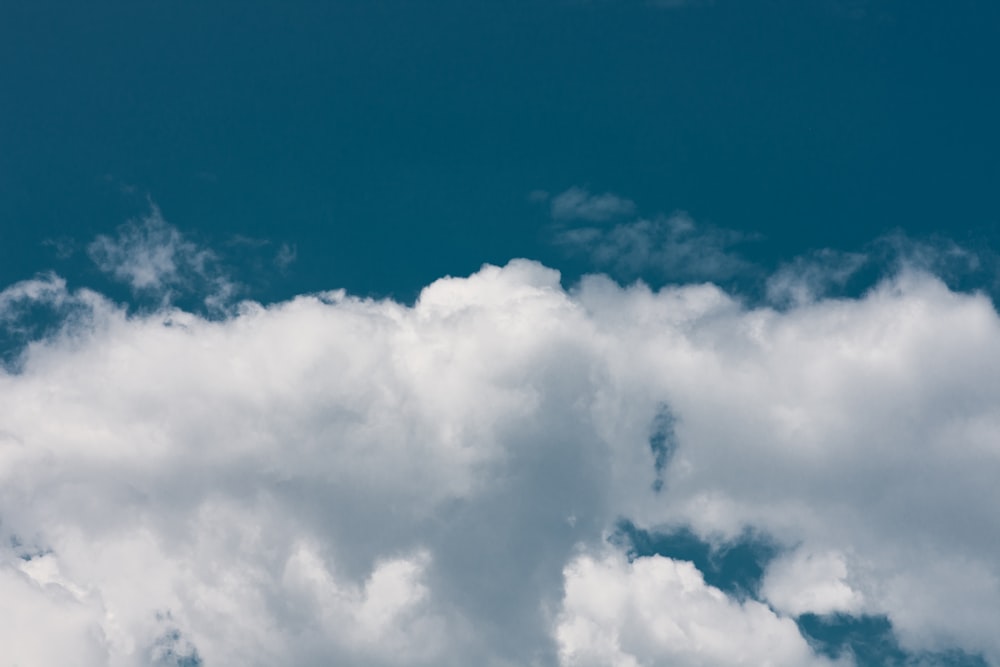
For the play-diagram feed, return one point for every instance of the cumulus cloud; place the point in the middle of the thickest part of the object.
(660, 611)
(342, 480)
(802, 583)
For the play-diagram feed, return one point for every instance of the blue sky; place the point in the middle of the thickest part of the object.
(408, 135)
(562, 333)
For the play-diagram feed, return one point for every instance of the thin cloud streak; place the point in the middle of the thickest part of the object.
(579, 204)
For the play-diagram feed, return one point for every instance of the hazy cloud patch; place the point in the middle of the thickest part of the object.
(813, 276)
(155, 259)
(285, 256)
(673, 247)
(579, 204)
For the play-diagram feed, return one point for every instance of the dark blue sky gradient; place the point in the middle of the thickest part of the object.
(396, 141)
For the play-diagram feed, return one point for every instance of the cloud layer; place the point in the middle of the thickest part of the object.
(334, 479)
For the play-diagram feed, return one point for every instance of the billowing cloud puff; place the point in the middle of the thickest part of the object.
(660, 611)
(333, 479)
(811, 583)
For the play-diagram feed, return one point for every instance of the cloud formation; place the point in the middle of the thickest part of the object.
(674, 247)
(579, 204)
(334, 479)
(813, 276)
(603, 229)
(155, 259)
(657, 610)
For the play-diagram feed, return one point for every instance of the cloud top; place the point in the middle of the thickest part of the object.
(341, 479)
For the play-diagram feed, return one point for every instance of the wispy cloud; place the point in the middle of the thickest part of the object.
(812, 276)
(155, 259)
(936, 254)
(673, 247)
(285, 256)
(579, 204)
(825, 272)
(63, 247)
(603, 229)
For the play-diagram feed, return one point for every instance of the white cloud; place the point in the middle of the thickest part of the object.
(382, 618)
(339, 479)
(30, 607)
(579, 204)
(154, 258)
(801, 583)
(656, 611)
(48, 289)
(847, 425)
